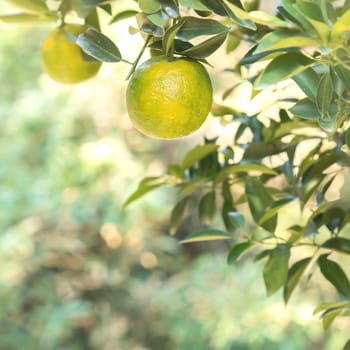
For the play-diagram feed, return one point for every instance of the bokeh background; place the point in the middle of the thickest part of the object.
(77, 271)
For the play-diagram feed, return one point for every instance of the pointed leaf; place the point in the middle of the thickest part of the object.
(146, 185)
(197, 153)
(207, 207)
(206, 235)
(205, 48)
(329, 316)
(283, 67)
(177, 214)
(195, 26)
(169, 37)
(275, 271)
(335, 275)
(259, 199)
(324, 93)
(237, 251)
(294, 274)
(98, 46)
(338, 244)
(122, 15)
(308, 81)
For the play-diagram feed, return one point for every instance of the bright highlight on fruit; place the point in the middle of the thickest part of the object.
(169, 99)
(63, 60)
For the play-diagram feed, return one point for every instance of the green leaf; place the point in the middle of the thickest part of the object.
(281, 40)
(276, 207)
(294, 275)
(207, 207)
(205, 48)
(169, 37)
(308, 81)
(266, 19)
(341, 26)
(335, 275)
(236, 218)
(275, 271)
(193, 4)
(243, 168)
(195, 26)
(237, 251)
(306, 109)
(197, 153)
(329, 316)
(122, 15)
(259, 199)
(343, 74)
(148, 184)
(283, 67)
(149, 6)
(338, 244)
(324, 95)
(177, 214)
(206, 235)
(170, 8)
(237, 15)
(333, 306)
(98, 46)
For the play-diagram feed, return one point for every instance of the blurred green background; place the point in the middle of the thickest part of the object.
(77, 272)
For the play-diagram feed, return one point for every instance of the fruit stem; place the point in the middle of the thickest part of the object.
(133, 67)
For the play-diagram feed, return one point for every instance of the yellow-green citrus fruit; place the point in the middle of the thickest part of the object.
(63, 60)
(169, 99)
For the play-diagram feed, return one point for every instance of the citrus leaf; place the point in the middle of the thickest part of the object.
(275, 271)
(283, 67)
(236, 218)
(206, 235)
(197, 153)
(207, 207)
(194, 26)
(122, 15)
(329, 317)
(193, 4)
(259, 199)
(149, 6)
(169, 37)
(324, 94)
(333, 305)
(237, 15)
(243, 168)
(205, 48)
(98, 46)
(294, 274)
(308, 81)
(148, 184)
(341, 25)
(338, 244)
(347, 345)
(306, 109)
(266, 19)
(177, 214)
(170, 8)
(335, 275)
(237, 251)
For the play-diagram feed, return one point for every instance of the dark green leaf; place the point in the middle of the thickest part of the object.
(294, 274)
(275, 271)
(122, 15)
(169, 37)
(170, 8)
(197, 153)
(205, 48)
(236, 218)
(177, 214)
(308, 81)
(237, 251)
(283, 67)
(347, 345)
(324, 94)
(194, 26)
(335, 275)
(259, 199)
(206, 235)
(339, 244)
(305, 109)
(98, 46)
(207, 207)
